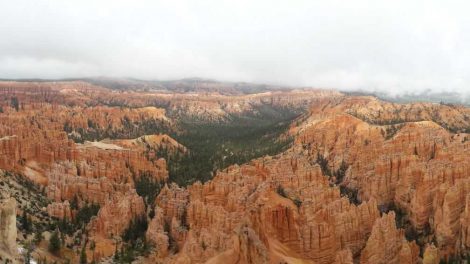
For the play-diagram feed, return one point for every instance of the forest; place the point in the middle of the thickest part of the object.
(211, 145)
(216, 145)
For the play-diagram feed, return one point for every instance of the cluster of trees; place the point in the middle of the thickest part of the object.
(147, 187)
(55, 243)
(337, 177)
(338, 174)
(82, 217)
(26, 223)
(280, 190)
(15, 103)
(212, 145)
(391, 130)
(396, 123)
(129, 129)
(216, 145)
(64, 227)
(172, 244)
(85, 213)
(135, 243)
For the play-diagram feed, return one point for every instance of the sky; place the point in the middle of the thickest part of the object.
(392, 46)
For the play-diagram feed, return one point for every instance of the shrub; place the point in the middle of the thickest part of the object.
(281, 191)
(54, 242)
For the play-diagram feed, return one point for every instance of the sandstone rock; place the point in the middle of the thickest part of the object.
(116, 214)
(244, 200)
(60, 210)
(431, 255)
(403, 156)
(387, 244)
(344, 257)
(8, 247)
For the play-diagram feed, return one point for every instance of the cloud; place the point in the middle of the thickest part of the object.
(394, 46)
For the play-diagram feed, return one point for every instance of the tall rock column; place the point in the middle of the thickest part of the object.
(8, 248)
(387, 244)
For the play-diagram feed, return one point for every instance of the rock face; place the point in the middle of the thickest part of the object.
(387, 244)
(270, 210)
(405, 157)
(204, 106)
(8, 247)
(60, 210)
(431, 255)
(364, 180)
(302, 204)
(116, 214)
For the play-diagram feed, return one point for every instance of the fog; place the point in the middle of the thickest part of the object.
(388, 46)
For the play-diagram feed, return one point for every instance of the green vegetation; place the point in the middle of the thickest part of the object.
(136, 229)
(65, 226)
(135, 243)
(339, 174)
(216, 145)
(323, 162)
(54, 242)
(350, 193)
(81, 219)
(147, 187)
(297, 202)
(172, 244)
(391, 130)
(128, 130)
(211, 145)
(26, 223)
(281, 191)
(28, 250)
(38, 237)
(15, 103)
(83, 257)
(85, 213)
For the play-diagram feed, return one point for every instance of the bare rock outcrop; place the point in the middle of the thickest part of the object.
(387, 244)
(407, 157)
(431, 255)
(116, 215)
(8, 247)
(271, 209)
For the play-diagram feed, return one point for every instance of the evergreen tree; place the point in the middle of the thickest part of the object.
(26, 222)
(54, 242)
(15, 103)
(28, 249)
(83, 258)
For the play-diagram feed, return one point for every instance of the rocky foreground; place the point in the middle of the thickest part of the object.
(364, 181)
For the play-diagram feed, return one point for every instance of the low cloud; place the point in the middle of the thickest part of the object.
(392, 46)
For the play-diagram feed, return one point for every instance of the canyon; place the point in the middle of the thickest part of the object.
(196, 171)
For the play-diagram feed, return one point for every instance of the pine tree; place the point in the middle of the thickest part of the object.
(54, 242)
(15, 103)
(28, 249)
(26, 222)
(83, 258)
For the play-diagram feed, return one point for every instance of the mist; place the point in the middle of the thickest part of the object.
(392, 47)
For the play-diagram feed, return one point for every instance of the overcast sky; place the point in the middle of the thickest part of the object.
(378, 45)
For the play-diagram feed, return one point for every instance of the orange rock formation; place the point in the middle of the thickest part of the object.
(364, 181)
